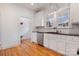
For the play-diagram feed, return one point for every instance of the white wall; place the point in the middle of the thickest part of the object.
(0, 26)
(10, 15)
(74, 12)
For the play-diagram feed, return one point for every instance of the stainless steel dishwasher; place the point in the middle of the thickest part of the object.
(40, 38)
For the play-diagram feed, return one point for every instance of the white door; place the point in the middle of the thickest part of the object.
(25, 27)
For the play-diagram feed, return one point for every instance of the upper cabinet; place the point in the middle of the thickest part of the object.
(74, 12)
(58, 15)
(39, 18)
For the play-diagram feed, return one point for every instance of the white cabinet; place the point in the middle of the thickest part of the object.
(52, 42)
(46, 39)
(67, 45)
(49, 41)
(75, 38)
(34, 37)
(72, 45)
(55, 42)
(74, 12)
(71, 48)
(61, 43)
(39, 19)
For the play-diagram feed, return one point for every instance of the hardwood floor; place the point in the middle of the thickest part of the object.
(28, 49)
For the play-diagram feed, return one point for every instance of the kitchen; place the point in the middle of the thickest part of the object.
(50, 25)
(61, 34)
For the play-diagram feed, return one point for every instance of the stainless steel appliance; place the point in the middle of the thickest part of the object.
(40, 39)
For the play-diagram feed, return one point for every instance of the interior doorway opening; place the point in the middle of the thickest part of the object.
(25, 28)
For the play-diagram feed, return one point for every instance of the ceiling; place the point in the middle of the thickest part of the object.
(41, 6)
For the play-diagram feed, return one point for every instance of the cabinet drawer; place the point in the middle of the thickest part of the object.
(75, 38)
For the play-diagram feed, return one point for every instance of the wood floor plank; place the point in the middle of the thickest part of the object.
(8, 51)
(42, 50)
(33, 48)
(28, 48)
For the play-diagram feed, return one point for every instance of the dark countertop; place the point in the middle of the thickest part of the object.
(57, 33)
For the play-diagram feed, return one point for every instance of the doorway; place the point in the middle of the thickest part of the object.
(25, 28)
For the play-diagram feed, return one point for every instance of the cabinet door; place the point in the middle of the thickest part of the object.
(60, 44)
(52, 42)
(46, 40)
(39, 19)
(71, 48)
(72, 45)
(34, 37)
(56, 42)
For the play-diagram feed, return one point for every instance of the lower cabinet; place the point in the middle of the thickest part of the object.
(34, 37)
(55, 42)
(49, 41)
(52, 44)
(46, 39)
(71, 48)
(67, 45)
(46, 42)
(61, 46)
